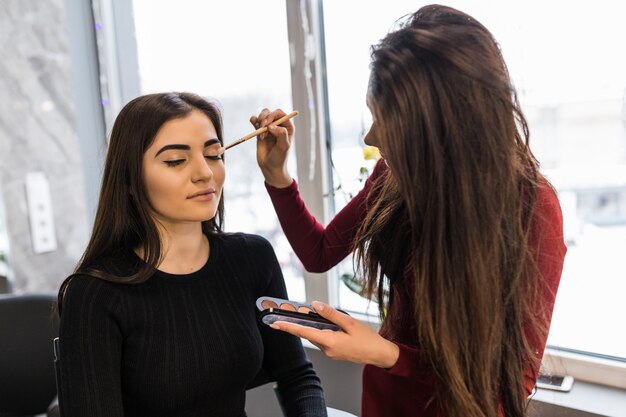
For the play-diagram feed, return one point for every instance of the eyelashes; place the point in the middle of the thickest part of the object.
(177, 162)
(174, 163)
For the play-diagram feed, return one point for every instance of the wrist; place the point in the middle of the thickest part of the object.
(390, 355)
(280, 179)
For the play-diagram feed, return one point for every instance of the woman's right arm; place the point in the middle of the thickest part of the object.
(90, 344)
(319, 248)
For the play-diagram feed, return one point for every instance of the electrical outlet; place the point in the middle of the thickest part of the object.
(40, 213)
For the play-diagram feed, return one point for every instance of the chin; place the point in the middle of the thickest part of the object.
(209, 216)
(205, 217)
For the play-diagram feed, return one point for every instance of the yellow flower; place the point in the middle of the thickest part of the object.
(371, 153)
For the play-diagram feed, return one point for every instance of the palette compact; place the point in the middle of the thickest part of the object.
(276, 309)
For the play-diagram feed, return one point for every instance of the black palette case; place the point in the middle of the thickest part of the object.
(274, 309)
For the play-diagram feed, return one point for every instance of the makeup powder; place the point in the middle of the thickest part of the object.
(285, 306)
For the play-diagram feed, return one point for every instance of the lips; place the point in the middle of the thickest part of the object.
(202, 194)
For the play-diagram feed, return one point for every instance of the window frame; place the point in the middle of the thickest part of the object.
(305, 51)
(582, 366)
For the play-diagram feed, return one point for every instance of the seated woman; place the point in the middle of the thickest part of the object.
(159, 317)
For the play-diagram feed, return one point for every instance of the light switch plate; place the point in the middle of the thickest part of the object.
(40, 214)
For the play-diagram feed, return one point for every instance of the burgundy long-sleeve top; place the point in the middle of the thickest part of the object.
(406, 388)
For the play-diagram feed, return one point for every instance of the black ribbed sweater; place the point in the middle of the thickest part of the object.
(180, 345)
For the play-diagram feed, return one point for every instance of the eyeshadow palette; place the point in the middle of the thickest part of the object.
(276, 309)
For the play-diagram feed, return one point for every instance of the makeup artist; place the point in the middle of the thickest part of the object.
(159, 317)
(456, 222)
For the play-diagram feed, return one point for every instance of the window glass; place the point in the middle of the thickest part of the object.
(563, 58)
(236, 53)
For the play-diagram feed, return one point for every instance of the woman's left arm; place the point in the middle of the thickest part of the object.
(548, 246)
(355, 342)
(298, 387)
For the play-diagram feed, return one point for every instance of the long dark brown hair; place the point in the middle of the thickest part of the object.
(453, 211)
(123, 220)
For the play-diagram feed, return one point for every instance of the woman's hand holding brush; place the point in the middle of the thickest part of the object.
(273, 145)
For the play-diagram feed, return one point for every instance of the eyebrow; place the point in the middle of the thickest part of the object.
(208, 143)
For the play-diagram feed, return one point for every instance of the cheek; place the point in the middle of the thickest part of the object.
(160, 188)
(219, 175)
(156, 190)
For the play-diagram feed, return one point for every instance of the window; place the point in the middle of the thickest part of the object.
(242, 61)
(347, 69)
(563, 59)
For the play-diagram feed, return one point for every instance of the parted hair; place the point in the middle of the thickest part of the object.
(452, 213)
(123, 218)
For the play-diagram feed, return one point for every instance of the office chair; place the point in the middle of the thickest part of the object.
(27, 379)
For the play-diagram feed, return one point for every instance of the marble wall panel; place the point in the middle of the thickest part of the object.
(37, 133)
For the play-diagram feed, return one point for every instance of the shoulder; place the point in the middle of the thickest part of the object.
(247, 250)
(91, 279)
(85, 297)
(243, 241)
(252, 254)
(82, 285)
(546, 232)
(547, 206)
(89, 288)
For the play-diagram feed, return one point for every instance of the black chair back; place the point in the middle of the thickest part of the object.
(27, 377)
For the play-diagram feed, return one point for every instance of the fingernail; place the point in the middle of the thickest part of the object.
(317, 306)
(275, 326)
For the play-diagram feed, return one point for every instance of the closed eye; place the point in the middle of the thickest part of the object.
(213, 157)
(174, 162)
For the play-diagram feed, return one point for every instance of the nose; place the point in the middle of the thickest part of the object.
(370, 137)
(201, 170)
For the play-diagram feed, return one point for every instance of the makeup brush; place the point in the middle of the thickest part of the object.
(261, 130)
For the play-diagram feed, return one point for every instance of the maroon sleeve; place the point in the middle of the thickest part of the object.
(548, 246)
(320, 248)
(412, 364)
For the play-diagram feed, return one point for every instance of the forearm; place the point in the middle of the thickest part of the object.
(298, 388)
(300, 393)
(277, 178)
(319, 248)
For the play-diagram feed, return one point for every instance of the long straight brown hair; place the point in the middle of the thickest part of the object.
(123, 218)
(453, 211)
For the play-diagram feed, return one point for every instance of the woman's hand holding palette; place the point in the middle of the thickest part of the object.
(276, 309)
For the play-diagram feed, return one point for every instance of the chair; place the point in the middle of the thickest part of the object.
(27, 378)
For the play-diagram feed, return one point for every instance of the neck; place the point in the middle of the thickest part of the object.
(185, 248)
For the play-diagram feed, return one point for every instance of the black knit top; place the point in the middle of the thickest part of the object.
(181, 345)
